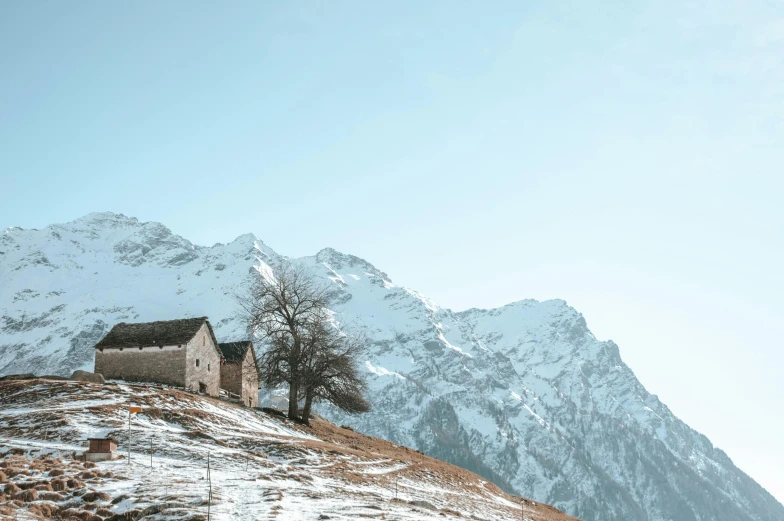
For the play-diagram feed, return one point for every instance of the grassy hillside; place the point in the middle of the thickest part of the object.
(261, 467)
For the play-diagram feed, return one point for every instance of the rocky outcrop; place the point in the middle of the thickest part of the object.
(86, 376)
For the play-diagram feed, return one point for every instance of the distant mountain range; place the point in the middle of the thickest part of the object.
(523, 395)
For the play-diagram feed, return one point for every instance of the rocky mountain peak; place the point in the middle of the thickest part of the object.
(106, 219)
(342, 261)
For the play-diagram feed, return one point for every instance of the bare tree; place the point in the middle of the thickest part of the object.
(279, 311)
(330, 368)
(302, 346)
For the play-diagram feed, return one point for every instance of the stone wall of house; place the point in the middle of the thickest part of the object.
(231, 378)
(164, 365)
(250, 381)
(242, 380)
(202, 364)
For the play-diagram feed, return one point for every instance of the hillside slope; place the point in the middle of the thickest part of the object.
(524, 395)
(261, 466)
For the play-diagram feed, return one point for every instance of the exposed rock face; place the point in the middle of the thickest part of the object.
(524, 395)
(86, 376)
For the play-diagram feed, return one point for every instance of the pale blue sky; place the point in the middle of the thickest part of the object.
(624, 156)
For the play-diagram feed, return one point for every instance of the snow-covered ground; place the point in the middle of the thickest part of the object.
(257, 466)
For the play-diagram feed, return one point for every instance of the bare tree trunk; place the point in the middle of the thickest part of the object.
(293, 402)
(308, 405)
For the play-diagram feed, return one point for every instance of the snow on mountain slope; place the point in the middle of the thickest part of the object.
(261, 467)
(524, 395)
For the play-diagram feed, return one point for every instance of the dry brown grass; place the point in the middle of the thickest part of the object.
(95, 495)
(50, 496)
(340, 441)
(130, 515)
(104, 512)
(12, 472)
(74, 483)
(68, 513)
(85, 515)
(27, 495)
(45, 510)
(155, 413)
(11, 489)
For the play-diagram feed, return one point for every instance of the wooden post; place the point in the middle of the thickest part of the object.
(209, 482)
(131, 410)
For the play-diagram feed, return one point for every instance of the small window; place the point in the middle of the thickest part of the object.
(197, 362)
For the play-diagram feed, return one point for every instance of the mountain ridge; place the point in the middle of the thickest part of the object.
(524, 389)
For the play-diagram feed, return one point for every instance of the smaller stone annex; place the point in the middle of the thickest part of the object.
(181, 353)
(240, 372)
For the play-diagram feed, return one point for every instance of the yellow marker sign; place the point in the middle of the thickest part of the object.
(134, 409)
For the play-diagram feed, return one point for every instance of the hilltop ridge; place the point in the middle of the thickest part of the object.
(261, 465)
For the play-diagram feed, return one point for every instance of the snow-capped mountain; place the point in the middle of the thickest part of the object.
(524, 395)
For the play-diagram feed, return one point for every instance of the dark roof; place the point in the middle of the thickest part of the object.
(164, 332)
(234, 352)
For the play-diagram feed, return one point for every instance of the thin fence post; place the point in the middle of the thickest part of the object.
(209, 482)
(129, 436)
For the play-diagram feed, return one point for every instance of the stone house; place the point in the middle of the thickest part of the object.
(240, 371)
(181, 353)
